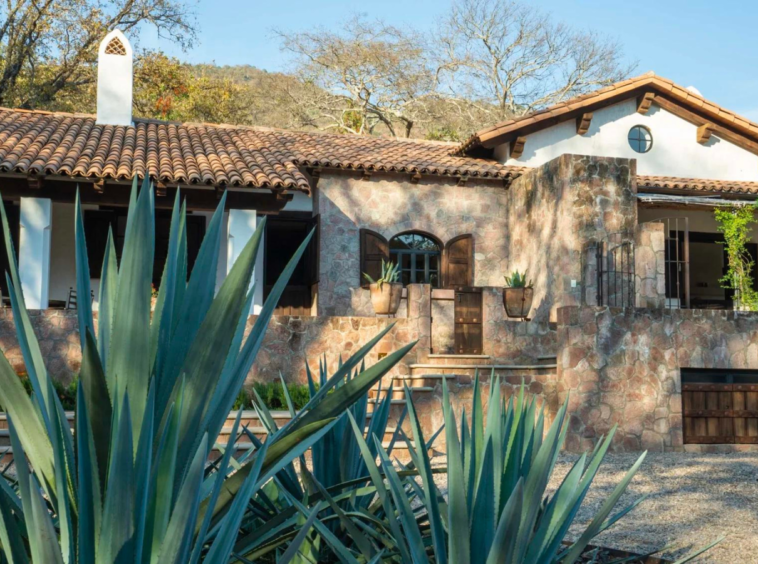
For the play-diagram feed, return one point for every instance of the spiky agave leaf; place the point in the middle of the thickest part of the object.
(154, 393)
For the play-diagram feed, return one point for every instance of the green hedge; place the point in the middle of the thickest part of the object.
(272, 395)
(270, 392)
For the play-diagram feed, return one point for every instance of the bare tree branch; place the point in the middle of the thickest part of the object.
(509, 59)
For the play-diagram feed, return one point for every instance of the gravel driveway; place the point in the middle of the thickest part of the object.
(692, 500)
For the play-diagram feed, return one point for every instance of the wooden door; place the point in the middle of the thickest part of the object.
(720, 413)
(468, 321)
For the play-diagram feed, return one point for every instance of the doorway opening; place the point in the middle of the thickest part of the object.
(284, 234)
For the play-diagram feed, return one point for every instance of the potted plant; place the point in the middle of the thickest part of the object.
(387, 290)
(517, 295)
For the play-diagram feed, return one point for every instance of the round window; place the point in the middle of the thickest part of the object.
(640, 139)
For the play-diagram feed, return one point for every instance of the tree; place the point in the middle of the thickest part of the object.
(48, 46)
(507, 59)
(165, 88)
(368, 75)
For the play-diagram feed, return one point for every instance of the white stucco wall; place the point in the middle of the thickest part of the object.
(675, 151)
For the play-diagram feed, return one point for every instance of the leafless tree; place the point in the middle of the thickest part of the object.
(508, 59)
(368, 75)
(47, 46)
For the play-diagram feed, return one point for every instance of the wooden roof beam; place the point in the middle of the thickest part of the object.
(704, 133)
(720, 131)
(517, 147)
(583, 123)
(644, 102)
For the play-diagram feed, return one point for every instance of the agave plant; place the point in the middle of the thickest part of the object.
(497, 508)
(336, 483)
(390, 274)
(518, 280)
(133, 483)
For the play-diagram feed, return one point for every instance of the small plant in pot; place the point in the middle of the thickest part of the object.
(517, 295)
(386, 291)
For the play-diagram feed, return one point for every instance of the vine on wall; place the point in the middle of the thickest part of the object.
(735, 223)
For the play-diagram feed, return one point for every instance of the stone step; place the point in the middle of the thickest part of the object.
(398, 392)
(468, 371)
(425, 380)
(447, 359)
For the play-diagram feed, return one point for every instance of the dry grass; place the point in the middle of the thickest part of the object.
(692, 500)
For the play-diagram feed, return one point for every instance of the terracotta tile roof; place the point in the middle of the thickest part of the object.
(44, 143)
(697, 185)
(613, 93)
(383, 154)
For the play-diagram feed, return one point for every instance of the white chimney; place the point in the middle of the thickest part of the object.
(114, 80)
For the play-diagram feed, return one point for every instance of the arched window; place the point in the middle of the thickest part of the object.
(419, 257)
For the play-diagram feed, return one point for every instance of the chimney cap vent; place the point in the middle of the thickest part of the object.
(115, 47)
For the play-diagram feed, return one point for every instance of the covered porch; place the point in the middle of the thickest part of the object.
(695, 256)
(41, 221)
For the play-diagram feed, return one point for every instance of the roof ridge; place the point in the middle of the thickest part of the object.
(257, 128)
(667, 85)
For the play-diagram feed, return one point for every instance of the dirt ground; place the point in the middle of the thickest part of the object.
(692, 500)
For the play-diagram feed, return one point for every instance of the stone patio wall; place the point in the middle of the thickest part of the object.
(510, 341)
(292, 341)
(622, 367)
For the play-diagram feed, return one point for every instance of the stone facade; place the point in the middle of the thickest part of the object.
(388, 206)
(622, 367)
(554, 212)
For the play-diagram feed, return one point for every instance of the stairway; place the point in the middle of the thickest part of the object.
(425, 383)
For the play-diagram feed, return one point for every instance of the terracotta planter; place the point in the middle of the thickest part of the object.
(386, 299)
(518, 302)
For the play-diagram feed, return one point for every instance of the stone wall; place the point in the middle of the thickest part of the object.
(650, 265)
(292, 341)
(389, 206)
(57, 331)
(623, 367)
(554, 212)
(511, 341)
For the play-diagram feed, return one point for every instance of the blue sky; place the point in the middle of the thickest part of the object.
(706, 44)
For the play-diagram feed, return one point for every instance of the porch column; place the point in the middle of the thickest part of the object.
(240, 227)
(34, 250)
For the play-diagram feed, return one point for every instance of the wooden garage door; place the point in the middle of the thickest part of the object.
(723, 411)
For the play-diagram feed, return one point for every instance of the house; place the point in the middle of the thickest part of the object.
(606, 200)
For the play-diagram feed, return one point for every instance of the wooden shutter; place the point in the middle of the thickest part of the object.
(459, 261)
(374, 249)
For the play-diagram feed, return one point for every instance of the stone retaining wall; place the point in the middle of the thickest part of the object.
(622, 367)
(292, 341)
